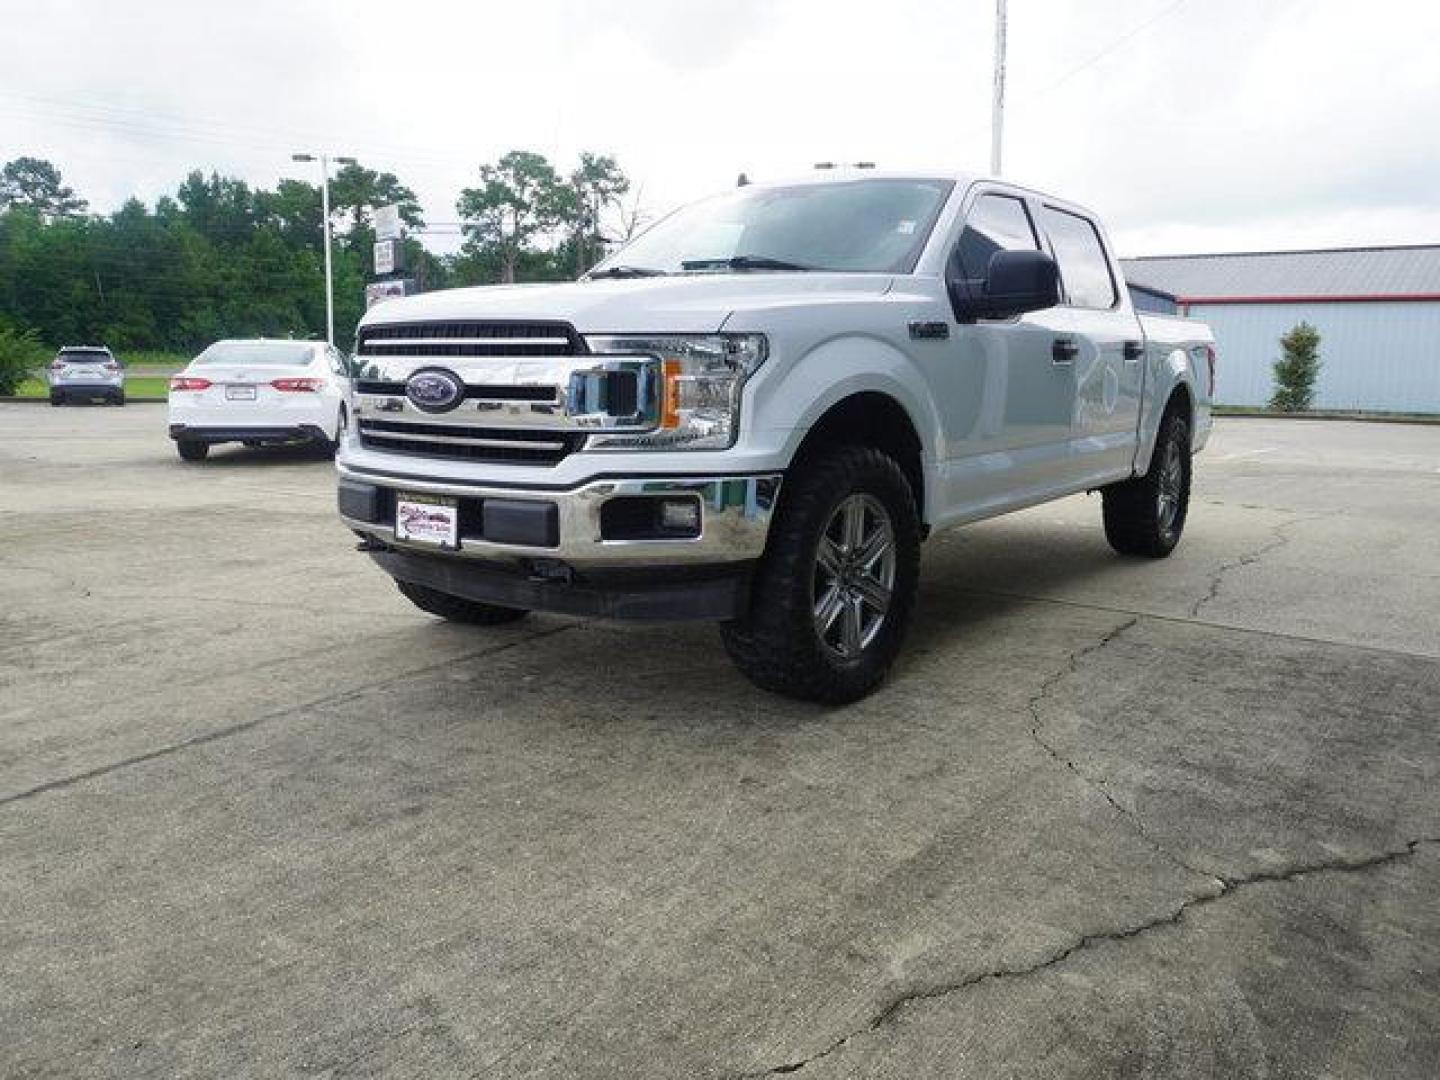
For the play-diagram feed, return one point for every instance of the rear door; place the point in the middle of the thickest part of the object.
(84, 366)
(1107, 347)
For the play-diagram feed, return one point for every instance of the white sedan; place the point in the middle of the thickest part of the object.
(259, 392)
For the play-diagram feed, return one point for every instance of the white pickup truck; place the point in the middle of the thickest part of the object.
(756, 411)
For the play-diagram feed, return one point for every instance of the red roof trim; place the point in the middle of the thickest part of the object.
(1357, 298)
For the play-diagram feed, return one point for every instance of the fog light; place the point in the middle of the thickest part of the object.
(680, 515)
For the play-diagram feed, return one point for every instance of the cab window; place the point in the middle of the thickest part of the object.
(1083, 266)
(996, 223)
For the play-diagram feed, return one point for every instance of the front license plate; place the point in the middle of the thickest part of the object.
(239, 393)
(427, 519)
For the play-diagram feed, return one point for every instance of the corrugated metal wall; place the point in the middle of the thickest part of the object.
(1380, 356)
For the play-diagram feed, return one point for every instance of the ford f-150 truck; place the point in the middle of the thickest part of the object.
(755, 412)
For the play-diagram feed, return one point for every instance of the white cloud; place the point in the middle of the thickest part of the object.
(1223, 124)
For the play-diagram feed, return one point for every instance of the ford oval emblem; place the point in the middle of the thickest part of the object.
(434, 390)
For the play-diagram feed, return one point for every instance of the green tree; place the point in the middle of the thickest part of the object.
(36, 183)
(520, 198)
(1297, 369)
(356, 191)
(20, 354)
(598, 184)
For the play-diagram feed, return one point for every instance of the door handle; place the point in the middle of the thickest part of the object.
(1064, 351)
(1134, 350)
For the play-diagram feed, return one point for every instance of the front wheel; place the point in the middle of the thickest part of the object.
(457, 608)
(1146, 515)
(832, 597)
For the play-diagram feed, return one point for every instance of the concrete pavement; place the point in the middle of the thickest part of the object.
(260, 817)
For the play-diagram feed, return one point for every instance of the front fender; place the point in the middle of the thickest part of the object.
(795, 396)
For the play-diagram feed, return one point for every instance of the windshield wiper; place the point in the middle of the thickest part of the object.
(743, 262)
(626, 271)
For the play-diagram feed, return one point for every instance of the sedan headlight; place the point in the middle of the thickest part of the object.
(701, 377)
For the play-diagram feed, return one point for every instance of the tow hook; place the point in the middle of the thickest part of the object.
(370, 543)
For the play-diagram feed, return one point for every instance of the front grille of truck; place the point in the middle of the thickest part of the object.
(498, 445)
(469, 338)
(482, 391)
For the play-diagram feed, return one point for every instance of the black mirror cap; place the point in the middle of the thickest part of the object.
(1015, 282)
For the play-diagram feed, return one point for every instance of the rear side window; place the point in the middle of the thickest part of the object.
(1083, 266)
(996, 223)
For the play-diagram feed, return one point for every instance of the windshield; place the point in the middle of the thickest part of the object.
(84, 356)
(279, 353)
(875, 225)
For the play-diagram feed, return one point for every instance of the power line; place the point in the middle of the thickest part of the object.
(1108, 49)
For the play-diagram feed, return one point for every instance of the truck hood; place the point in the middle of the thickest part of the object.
(692, 303)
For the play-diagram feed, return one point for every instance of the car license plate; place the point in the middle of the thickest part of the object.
(427, 519)
(239, 393)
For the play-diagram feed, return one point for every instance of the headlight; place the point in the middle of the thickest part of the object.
(701, 379)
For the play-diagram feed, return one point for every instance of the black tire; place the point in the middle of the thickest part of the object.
(331, 447)
(1146, 516)
(190, 450)
(119, 398)
(777, 644)
(56, 399)
(457, 608)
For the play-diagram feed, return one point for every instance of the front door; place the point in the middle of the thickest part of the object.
(1008, 388)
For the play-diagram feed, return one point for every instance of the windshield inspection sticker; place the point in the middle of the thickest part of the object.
(905, 227)
(425, 519)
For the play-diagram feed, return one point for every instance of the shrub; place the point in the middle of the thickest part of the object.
(20, 354)
(1297, 370)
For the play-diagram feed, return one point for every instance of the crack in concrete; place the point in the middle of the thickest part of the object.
(1223, 887)
(1279, 539)
(289, 710)
(1037, 699)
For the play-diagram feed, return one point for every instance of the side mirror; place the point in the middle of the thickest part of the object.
(1015, 282)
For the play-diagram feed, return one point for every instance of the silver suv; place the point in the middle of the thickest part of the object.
(88, 372)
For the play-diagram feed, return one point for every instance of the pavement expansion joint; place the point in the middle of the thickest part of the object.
(243, 726)
(1222, 887)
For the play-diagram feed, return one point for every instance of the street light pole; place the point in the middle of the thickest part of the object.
(997, 109)
(325, 214)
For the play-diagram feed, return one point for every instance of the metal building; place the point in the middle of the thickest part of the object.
(1377, 310)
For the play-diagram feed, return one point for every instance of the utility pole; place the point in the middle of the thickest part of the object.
(325, 214)
(997, 113)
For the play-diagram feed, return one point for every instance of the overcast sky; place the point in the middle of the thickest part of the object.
(1203, 125)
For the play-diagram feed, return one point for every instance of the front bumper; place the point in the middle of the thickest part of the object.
(570, 529)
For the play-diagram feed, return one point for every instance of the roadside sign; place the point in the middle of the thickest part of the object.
(385, 256)
(379, 291)
(387, 222)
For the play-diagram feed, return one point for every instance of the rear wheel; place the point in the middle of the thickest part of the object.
(119, 398)
(457, 608)
(1146, 515)
(190, 450)
(56, 398)
(832, 597)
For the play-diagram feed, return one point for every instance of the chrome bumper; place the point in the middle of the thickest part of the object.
(735, 519)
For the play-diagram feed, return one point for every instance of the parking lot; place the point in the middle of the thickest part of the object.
(260, 817)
